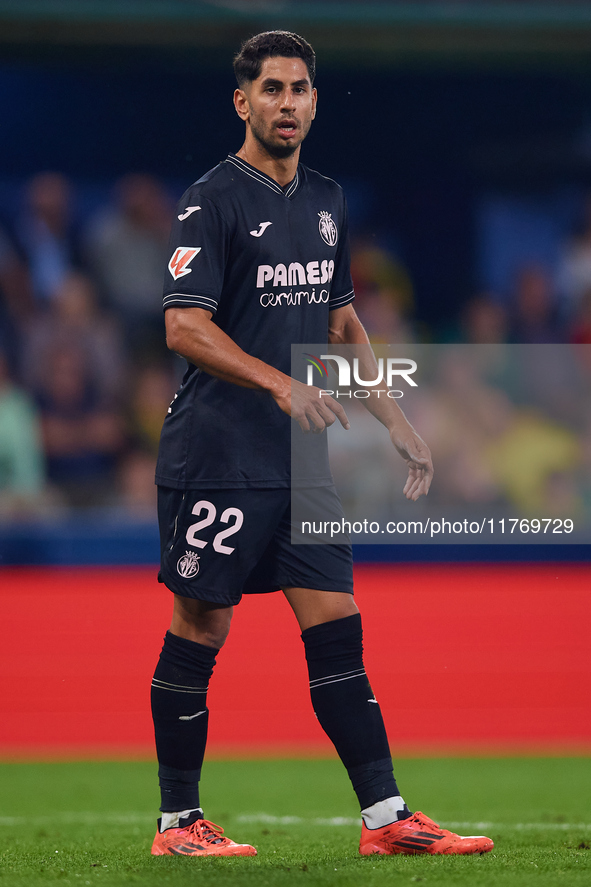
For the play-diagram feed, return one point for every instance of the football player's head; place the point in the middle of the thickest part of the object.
(270, 44)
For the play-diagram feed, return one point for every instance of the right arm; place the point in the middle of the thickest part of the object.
(192, 333)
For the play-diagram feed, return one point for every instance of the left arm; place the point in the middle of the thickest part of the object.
(345, 328)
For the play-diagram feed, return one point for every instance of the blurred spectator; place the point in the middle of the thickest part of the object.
(15, 298)
(136, 488)
(584, 476)
(483, 321)
(127, 248)
(152, 393)
(580, 331)
(15, 287)
(83, 435)
(550, 378)
(534, 320)
(74, 320)
(574, 277)
(535, 462)
(47, 234)
(460, 416)
(384, 294)
(22, 476)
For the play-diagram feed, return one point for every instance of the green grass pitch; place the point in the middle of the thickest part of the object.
(92, 823)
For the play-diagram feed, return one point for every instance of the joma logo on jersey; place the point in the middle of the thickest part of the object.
(181, 259)
(295, 274)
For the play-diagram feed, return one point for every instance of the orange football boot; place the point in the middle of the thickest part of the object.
(201, 838)
(419, 834)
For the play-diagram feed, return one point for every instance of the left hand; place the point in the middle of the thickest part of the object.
(417, 456)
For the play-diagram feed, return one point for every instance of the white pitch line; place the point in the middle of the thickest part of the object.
(268, 819)
(89, 818)
(81, 818)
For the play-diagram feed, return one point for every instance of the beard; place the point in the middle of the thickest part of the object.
(279, 151)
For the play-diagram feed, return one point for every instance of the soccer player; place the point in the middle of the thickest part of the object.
(260, 260)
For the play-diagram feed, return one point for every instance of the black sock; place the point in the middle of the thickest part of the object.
(179, 711)
(346, 708)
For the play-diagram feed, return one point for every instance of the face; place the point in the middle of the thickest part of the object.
(279, 106)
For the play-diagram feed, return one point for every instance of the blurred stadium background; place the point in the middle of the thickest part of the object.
(461, 133)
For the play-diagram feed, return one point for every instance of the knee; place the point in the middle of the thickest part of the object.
(201, 622)
(313, 607)
(212, 634)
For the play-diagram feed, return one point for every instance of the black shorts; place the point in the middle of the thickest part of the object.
(217, 545)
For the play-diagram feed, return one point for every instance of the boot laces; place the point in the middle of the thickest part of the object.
(422, 820)
(209, 831)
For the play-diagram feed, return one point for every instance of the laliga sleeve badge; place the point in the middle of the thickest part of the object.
(188, 565)
(181, 259)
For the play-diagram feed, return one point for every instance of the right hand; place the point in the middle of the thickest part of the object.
(312, 410)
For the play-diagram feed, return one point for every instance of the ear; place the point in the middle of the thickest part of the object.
(314, 100)
(241, 104)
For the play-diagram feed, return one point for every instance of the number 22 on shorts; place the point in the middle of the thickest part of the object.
(232, 516)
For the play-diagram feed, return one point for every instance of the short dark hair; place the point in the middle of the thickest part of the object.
(253, 52)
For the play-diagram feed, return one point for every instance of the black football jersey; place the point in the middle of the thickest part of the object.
(269, 263)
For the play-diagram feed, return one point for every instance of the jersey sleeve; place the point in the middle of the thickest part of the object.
(198, 251)
(341, 291)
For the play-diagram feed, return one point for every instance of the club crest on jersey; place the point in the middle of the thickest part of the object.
(188, 565)
(181, 259)
(328, 229)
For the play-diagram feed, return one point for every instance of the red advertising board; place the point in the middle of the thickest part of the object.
(471, 658)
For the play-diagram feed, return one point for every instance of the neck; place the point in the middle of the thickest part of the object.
(281, 169)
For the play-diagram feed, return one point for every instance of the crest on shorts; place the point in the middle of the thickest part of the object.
(188, 565)
(328, 229)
